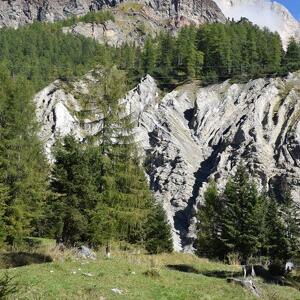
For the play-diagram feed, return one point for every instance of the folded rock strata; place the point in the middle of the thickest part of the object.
(192, 134)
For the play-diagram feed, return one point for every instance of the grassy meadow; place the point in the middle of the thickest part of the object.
(135, 275)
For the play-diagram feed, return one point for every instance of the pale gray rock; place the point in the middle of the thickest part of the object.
(54, 108)
(85, 252)
(289, 267)
(19, 12)
(192, 134)
(199, 11)
(111, 33)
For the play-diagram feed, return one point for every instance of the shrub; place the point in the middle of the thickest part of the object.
(276, 268)
(8, 286)
(154, 273)
(98, 17)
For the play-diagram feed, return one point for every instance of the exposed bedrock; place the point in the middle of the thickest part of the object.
(19, 12)
(192, 134)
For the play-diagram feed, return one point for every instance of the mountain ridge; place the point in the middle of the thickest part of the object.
(261, 12)
(21, 12)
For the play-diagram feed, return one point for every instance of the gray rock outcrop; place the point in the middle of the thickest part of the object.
(192, 134)
(14, 13)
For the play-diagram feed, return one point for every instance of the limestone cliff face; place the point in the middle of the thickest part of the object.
(199, 11)
(14, 13)
(192, 134)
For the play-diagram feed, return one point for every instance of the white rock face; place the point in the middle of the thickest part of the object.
(192, 134)
(264, 13)
(54, 108)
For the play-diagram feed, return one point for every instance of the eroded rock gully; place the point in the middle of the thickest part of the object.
(192, 134)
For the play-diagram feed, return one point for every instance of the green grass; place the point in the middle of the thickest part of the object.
(130, 7)
(139, 276)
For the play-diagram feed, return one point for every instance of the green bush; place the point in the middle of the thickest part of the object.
(98, 17)
(8, 286)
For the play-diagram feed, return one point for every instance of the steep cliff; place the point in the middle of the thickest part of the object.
(192, 134)
(19, 12)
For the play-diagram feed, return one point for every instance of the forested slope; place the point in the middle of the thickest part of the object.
(35, 55)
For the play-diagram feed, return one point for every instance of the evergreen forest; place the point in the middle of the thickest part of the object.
(96, 192)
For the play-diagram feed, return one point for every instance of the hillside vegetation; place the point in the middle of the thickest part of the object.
(138, 276)
(96, 193)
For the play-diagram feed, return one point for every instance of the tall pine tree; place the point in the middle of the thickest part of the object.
(277, 241)
(125, 199)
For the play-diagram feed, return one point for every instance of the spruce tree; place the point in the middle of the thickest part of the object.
(166, 65)
(292, 56)
(277, 241)
(158, 237)
(74, 182)
(100, 190)
(209, 242)
(261, 213)
(189, 59)
(149, 57)
(240, 227)
(291, 217)
(4, 199)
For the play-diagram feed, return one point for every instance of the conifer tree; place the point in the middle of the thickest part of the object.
(125, 199)
(240, 227)
(75, 180)
(149, 57)
(100, 190)
(167, 50)
(158, 237)
(23, 167)
(209, 242)
(292, 56)
(4, 199)
(277, 241)
(291, 217)
(189, 59)
(261, 213)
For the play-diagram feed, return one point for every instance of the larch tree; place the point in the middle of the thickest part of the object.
(125, 200)
(23, 166)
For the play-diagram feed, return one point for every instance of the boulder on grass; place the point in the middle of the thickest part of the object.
(86, 252)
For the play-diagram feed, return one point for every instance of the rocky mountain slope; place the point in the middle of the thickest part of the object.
(134, 21)
(264, 13)
(156, 14)
(192, 134)
(19, 12)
